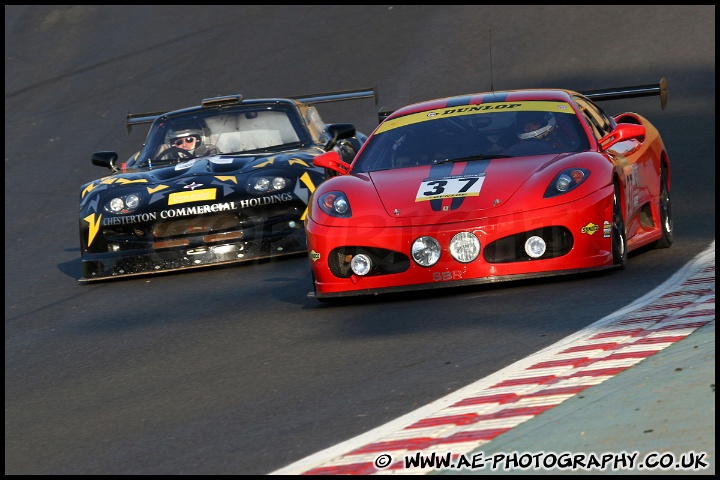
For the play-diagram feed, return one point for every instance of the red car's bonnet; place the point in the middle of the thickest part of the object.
(402, 196)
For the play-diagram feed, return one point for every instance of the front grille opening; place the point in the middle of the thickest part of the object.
(384, 261)
(559, 242)
(197, 225)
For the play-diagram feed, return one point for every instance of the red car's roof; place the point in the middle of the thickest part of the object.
(486, 97)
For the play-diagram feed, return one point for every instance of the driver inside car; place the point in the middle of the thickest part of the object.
(541, 133)
(185, 142)
(187, 139)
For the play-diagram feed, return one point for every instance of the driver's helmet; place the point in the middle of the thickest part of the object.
(535, 125)
(184, 131)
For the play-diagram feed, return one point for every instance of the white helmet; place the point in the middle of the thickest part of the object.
(535, 125)
(182, 131)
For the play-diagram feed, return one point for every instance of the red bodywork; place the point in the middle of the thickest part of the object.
(389, 211)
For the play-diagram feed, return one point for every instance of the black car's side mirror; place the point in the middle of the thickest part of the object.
(105, 159)
(339, 131)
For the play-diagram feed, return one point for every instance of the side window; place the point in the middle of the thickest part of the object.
(599, 122)
(316, 125)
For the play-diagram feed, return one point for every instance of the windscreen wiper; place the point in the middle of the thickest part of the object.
(472, 157)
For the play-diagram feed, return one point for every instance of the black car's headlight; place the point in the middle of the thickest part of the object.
(566, 180)
(262, 184)
(124, 203)
(335, 204)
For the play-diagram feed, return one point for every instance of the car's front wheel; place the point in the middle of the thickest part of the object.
(619, 237)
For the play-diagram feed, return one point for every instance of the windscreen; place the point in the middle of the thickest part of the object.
(493, 130)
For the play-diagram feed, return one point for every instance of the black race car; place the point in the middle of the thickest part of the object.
(227, 181)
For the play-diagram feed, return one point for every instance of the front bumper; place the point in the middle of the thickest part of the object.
(581, 241)
(103, 266)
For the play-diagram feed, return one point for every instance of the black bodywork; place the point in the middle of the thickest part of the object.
(242, 195)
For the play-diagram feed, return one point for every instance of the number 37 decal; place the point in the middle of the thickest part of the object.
(450, 187)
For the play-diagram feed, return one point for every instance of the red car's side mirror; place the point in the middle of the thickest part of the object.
(332, 161)
(622, 132)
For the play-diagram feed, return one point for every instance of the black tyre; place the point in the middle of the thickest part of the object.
(666, 222)
(619, 236)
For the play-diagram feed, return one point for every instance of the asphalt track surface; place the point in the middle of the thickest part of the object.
(575, 407)
(235, 370)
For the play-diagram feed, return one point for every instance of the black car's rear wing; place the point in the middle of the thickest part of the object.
(336, 96)
(659, 88)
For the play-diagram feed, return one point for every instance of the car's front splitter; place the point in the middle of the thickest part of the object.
(124, 264)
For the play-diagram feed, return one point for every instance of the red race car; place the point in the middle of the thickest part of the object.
(488, 187)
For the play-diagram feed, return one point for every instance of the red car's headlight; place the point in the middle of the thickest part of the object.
(566, 180)
(335, 204)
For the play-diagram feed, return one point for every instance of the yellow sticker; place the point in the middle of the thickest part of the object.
(192, 196)
(460, 110)
(590, 228)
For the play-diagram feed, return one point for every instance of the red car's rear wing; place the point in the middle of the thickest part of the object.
(633, 91)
